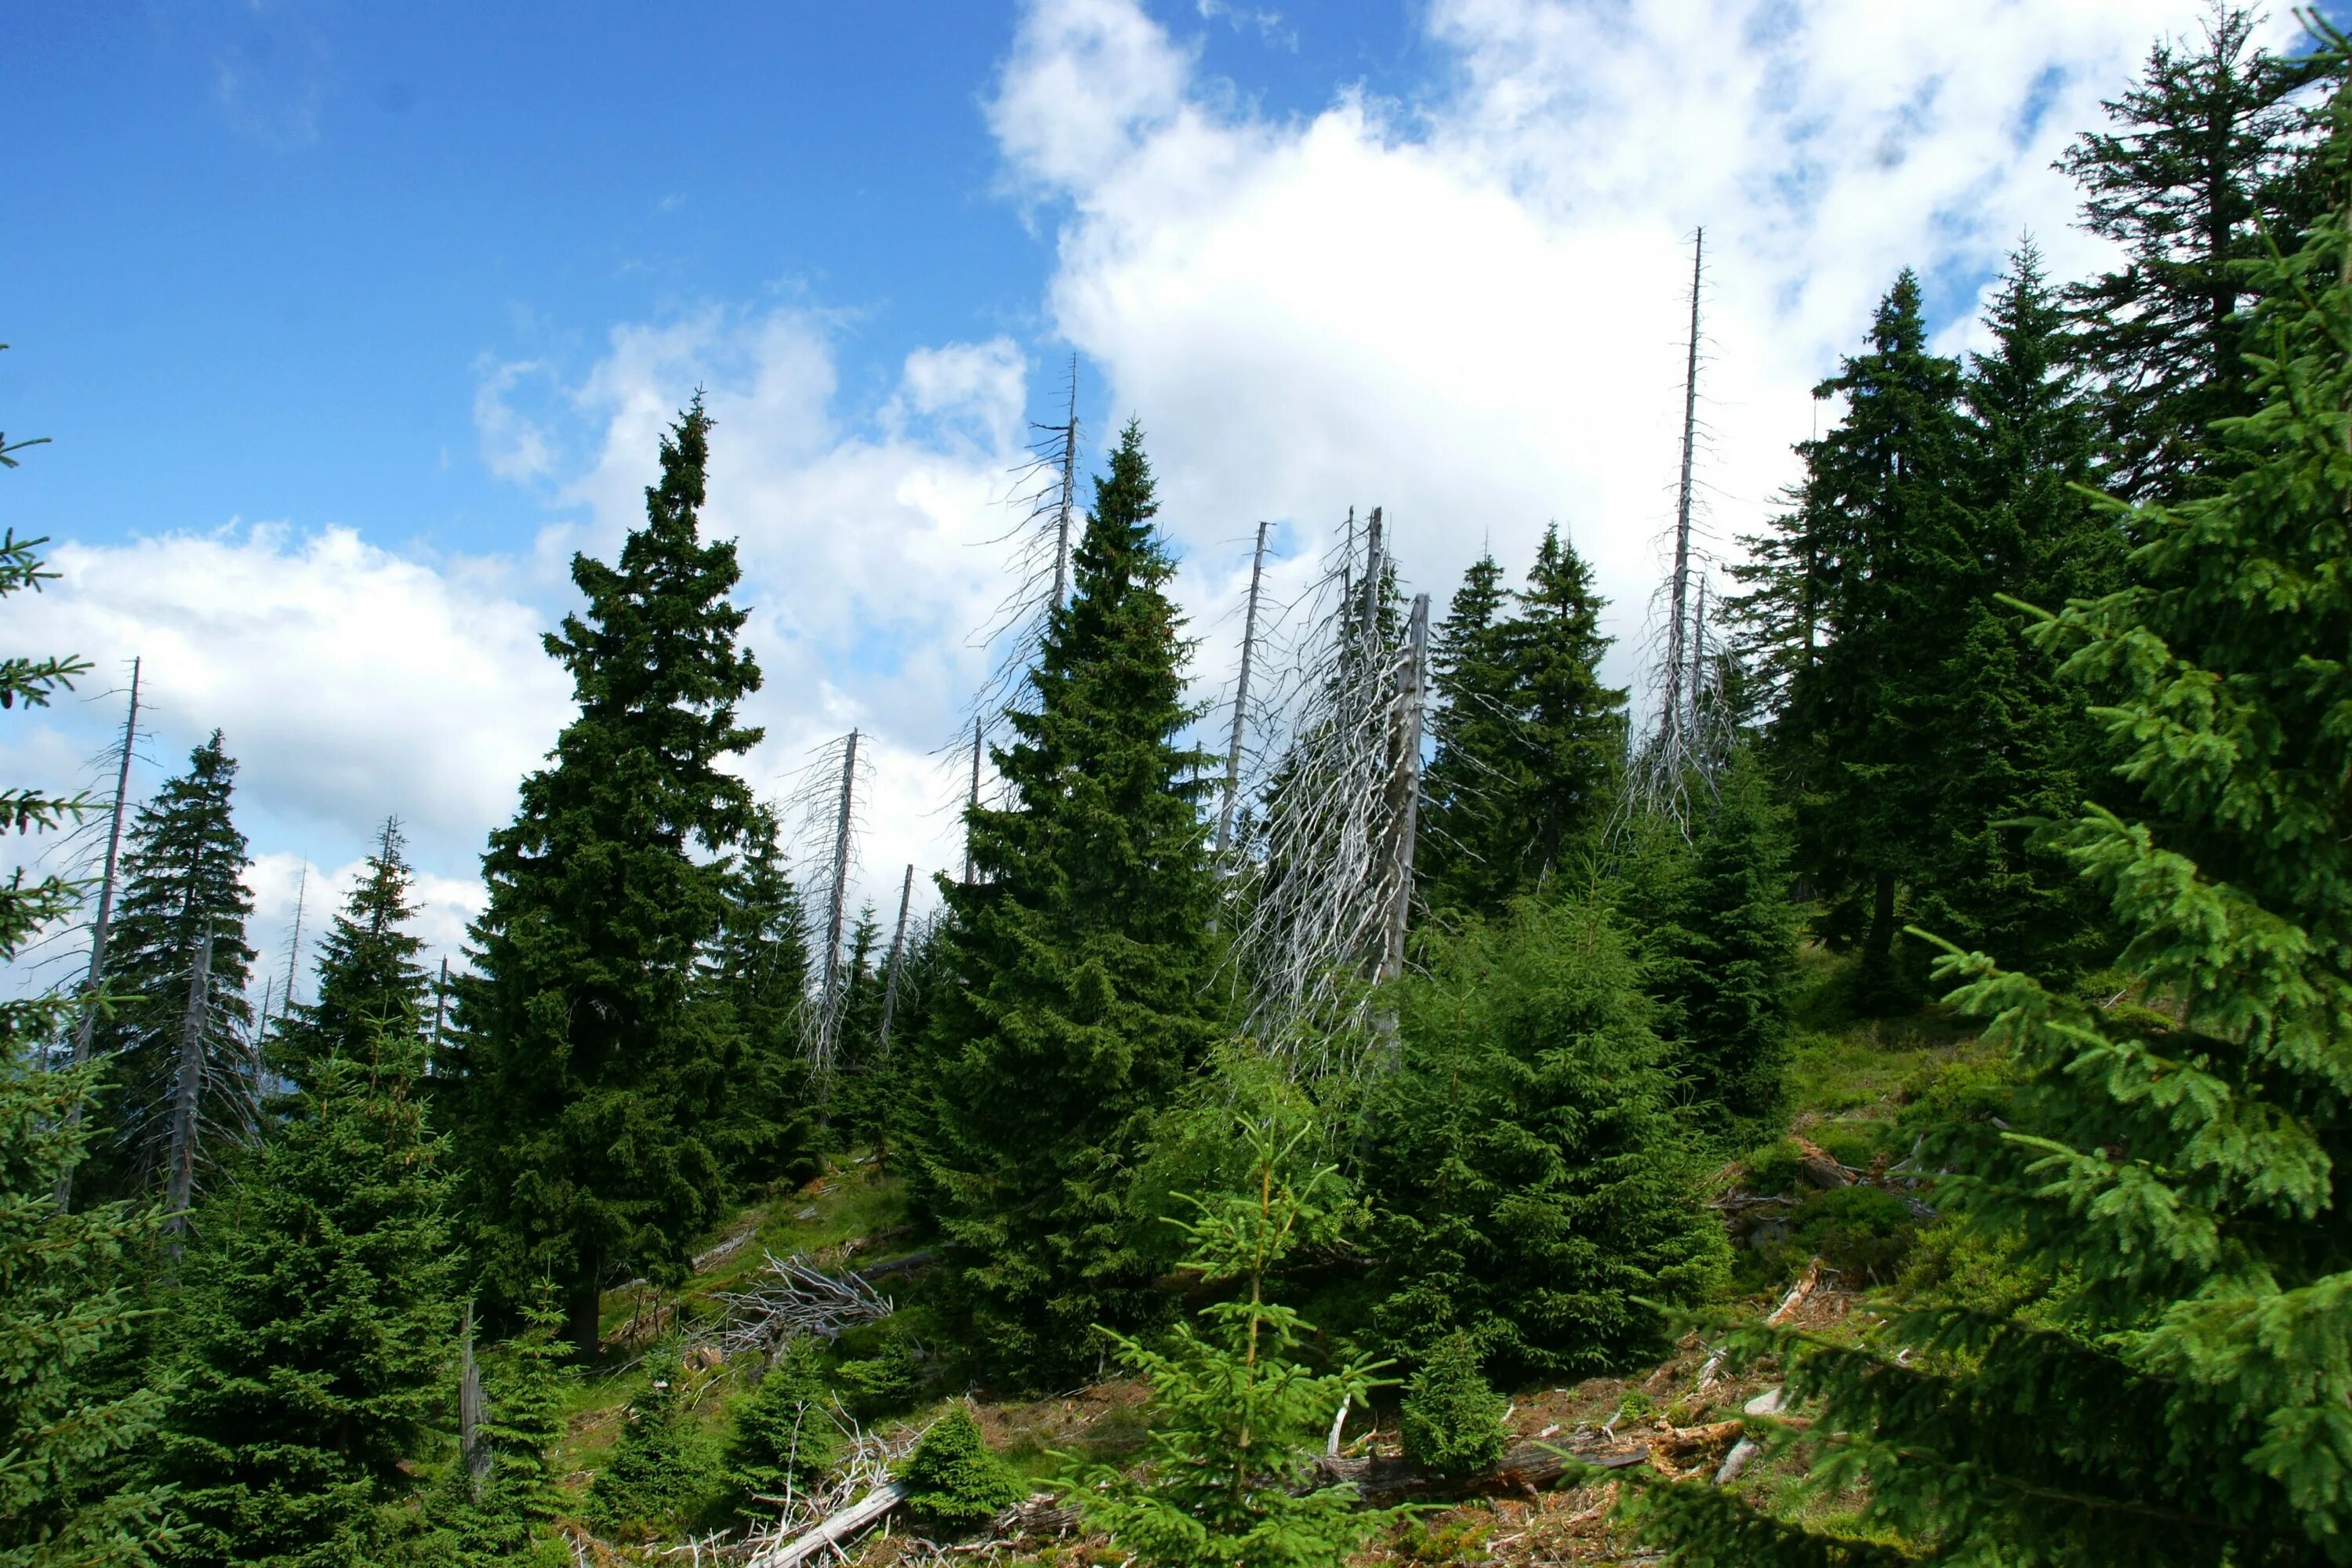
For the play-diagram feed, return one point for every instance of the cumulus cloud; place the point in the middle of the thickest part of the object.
(1470, 308)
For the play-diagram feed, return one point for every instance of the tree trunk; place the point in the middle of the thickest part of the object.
(586, 1301)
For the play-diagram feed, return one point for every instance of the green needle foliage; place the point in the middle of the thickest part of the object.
(318, 1321)
(1236, 1417)
(661, 1474)
(68, 1499)
(1076, 999)
(1452, 1422)
(784, 1438)
(183, 869)
(2184, 1400)
(597, 1064)
(955, 1481)
(368, 978)
(1537, 1187)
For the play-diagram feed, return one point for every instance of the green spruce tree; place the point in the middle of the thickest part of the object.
(1726, 956)
(1536, 1188)
(2195, 176)
(1236, 1413)
(1568, 738)
(182, 871)
(598, 1064)
(316, 1320)
(1853, 606)
(70, 1496)
(2173, 1160)
(1468, 852)
(759, 967)
(368, 978)
(1077, 960)
(2013, 747)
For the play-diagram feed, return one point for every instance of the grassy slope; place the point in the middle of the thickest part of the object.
(1854, 1085)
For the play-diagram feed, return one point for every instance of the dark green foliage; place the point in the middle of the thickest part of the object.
(67, 1497)
(2196, 175)
(1722, 958)
(1535, 1181)
(662, 1472)
(500, 1517)
(1452, 1422)
(955, 1481)
(368, 978)
(183, 869)
(317, 1320)
(1570, 734)
(597, 1065)
(1852, 599)
(1527, 739)
(1864, 1233)
(784, 1438)
(1073, 1004)
(1236, 1417)
(2174, 1167)
(885, 1382)
(760, 965)
(2013, 747)
(1465, 858)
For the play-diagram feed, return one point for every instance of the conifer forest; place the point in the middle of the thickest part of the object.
(1867, 1092)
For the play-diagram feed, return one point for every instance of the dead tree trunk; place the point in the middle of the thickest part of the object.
(1404, 786)
(88, 1022)
(898, 952)
(1241, 706)
(1069, 435)
(837, 903)
(1678, 595)
(187, 1097)
(972, 801)
(471, 1450)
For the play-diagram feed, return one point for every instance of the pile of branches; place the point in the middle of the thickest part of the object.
(789, 1298)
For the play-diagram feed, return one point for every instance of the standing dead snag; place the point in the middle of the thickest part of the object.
(824, 802)
(1681, 748)
(188, 1093)
(97, 974)
(1319, 910)
(1241, 710)
(898, 952)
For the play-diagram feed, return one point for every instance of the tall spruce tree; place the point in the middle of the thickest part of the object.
(368, 977)
(1536, 1189)
(184, 873)
(1723, 958)
(597, 1063)
(2013, 747)
(1077, 959)
(1467, 855)
(2175, 1160)
(317, 1320)
(1872, 571)
(759, 965)
(2196, 175)
(69, 1498)
(1569, 740)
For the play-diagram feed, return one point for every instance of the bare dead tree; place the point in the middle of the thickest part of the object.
(95, 977)
(1317, 914)
(823, 801)
(971, 800)
(1679, 753)
(898, 952)
(1241, 708)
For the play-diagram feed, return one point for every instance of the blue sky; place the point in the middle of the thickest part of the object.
(350, 322)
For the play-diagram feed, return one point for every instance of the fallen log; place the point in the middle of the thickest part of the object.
(840, 1527)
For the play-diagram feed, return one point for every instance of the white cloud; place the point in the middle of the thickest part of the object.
(1471, 309)
(352, 683)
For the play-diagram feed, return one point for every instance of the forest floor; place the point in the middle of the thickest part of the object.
(1854, 1085)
